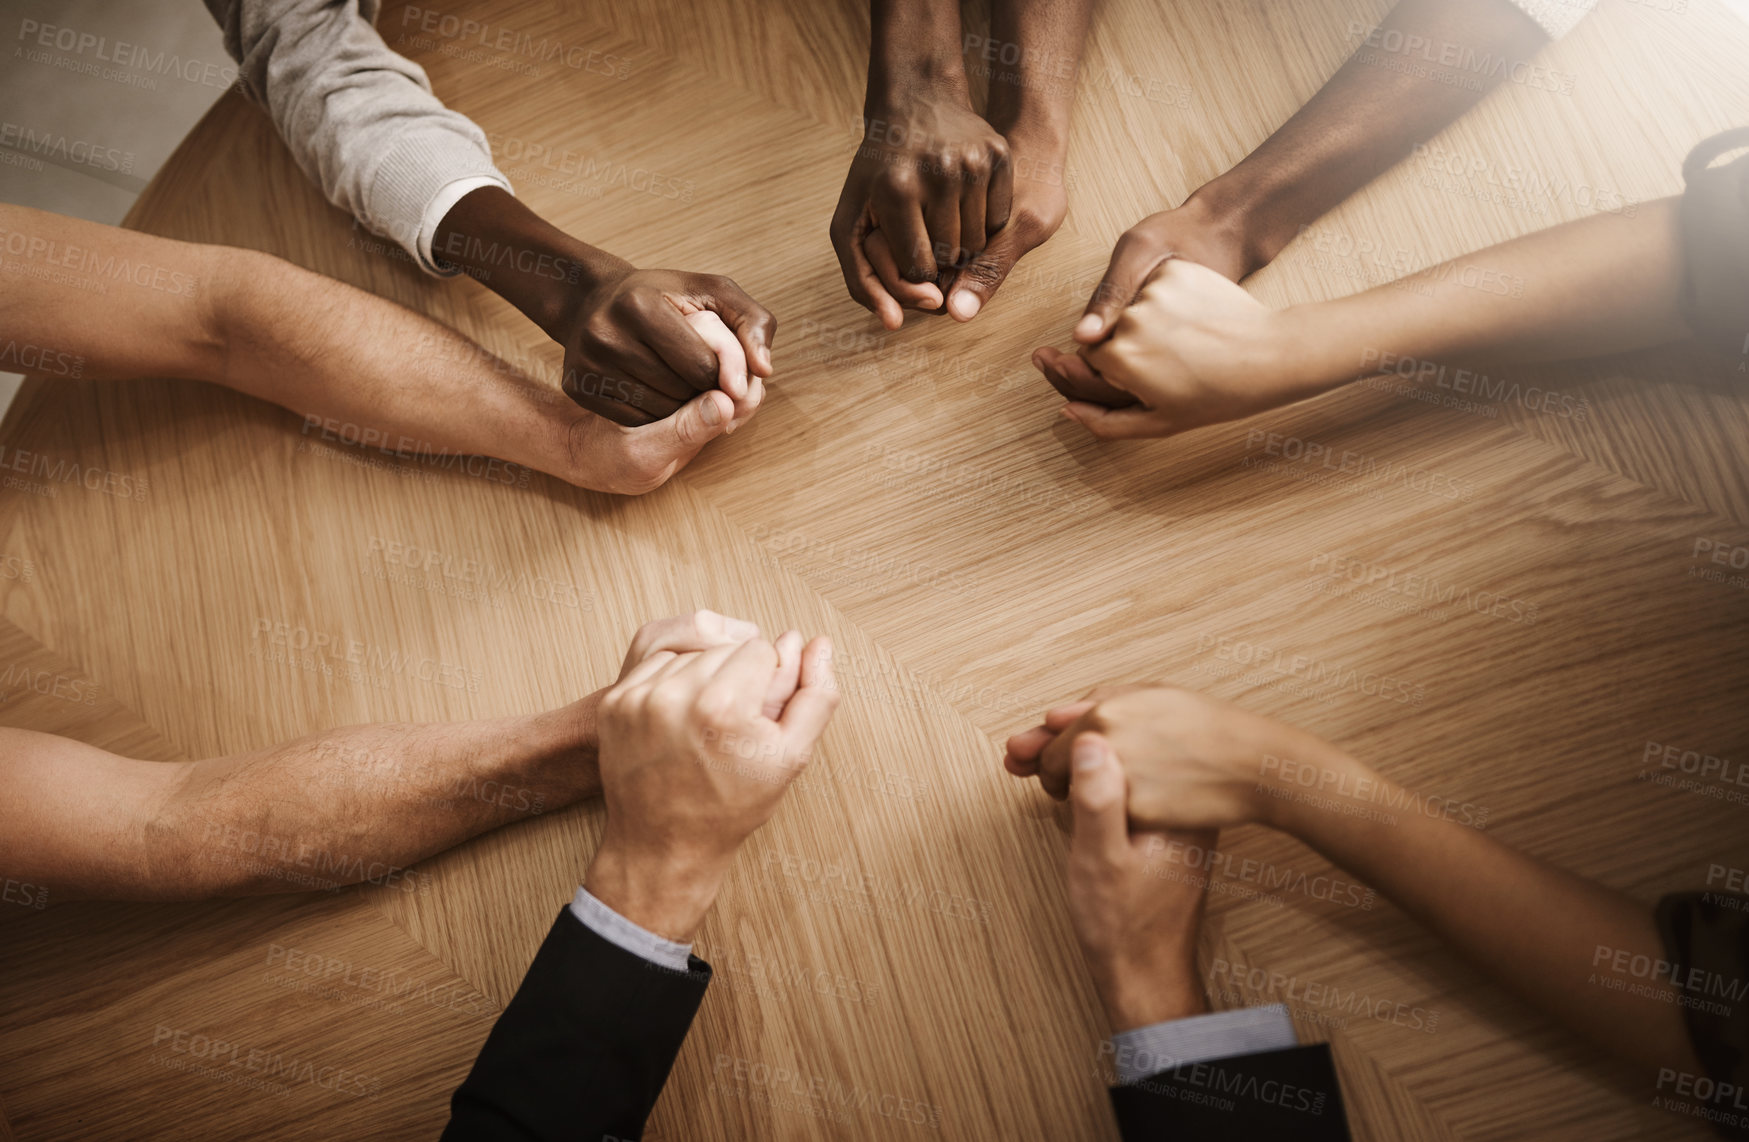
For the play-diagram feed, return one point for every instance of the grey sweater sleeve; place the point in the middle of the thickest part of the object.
(359, 119)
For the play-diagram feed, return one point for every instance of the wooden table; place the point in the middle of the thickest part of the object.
(896, 937)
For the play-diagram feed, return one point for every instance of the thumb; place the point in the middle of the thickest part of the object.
(980, 278)
(1133, 259)
(699, 421)
(1097, 792)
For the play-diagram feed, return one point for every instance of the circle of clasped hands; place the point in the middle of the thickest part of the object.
(709, 721)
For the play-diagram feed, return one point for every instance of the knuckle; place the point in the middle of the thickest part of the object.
(666, 702)
(904, 181)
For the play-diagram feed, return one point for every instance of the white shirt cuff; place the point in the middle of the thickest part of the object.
(1147, 1051)
(616, 929)
(1556, 17)
(438, 208)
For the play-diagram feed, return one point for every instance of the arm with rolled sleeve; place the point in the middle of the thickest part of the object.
(359, 119)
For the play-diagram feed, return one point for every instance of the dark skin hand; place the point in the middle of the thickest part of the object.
(940, 202)
(630, 354)
(1365, 120)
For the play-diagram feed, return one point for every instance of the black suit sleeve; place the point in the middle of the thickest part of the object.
(583, 1048)
(1715, 245)
(1706, 935)
(1290, 1095)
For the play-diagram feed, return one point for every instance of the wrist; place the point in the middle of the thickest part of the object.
(1304, 779)
(1255, 218)
(1155, 989)
(517, 254)
(1310, 351)
(665, 891)
(561, 758)
(1041, 135)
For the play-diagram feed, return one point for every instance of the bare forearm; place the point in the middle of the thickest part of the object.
(359, 803)
(913, 44)
(1606, 284)
(83, 301)
(1036, 47)
(1535, 929)
(1368, 117)
(382, 372)
(517, 254)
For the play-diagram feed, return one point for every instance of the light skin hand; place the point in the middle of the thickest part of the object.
(693, 761)
(1192, 762)
(1137, 929)
(1195, 349)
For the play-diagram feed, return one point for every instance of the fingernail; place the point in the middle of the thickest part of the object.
(712, 413)
(1087, 754)
(1088, 326)
(965, 304)
(740, 629)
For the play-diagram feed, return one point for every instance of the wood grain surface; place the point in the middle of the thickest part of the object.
(896, 937)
